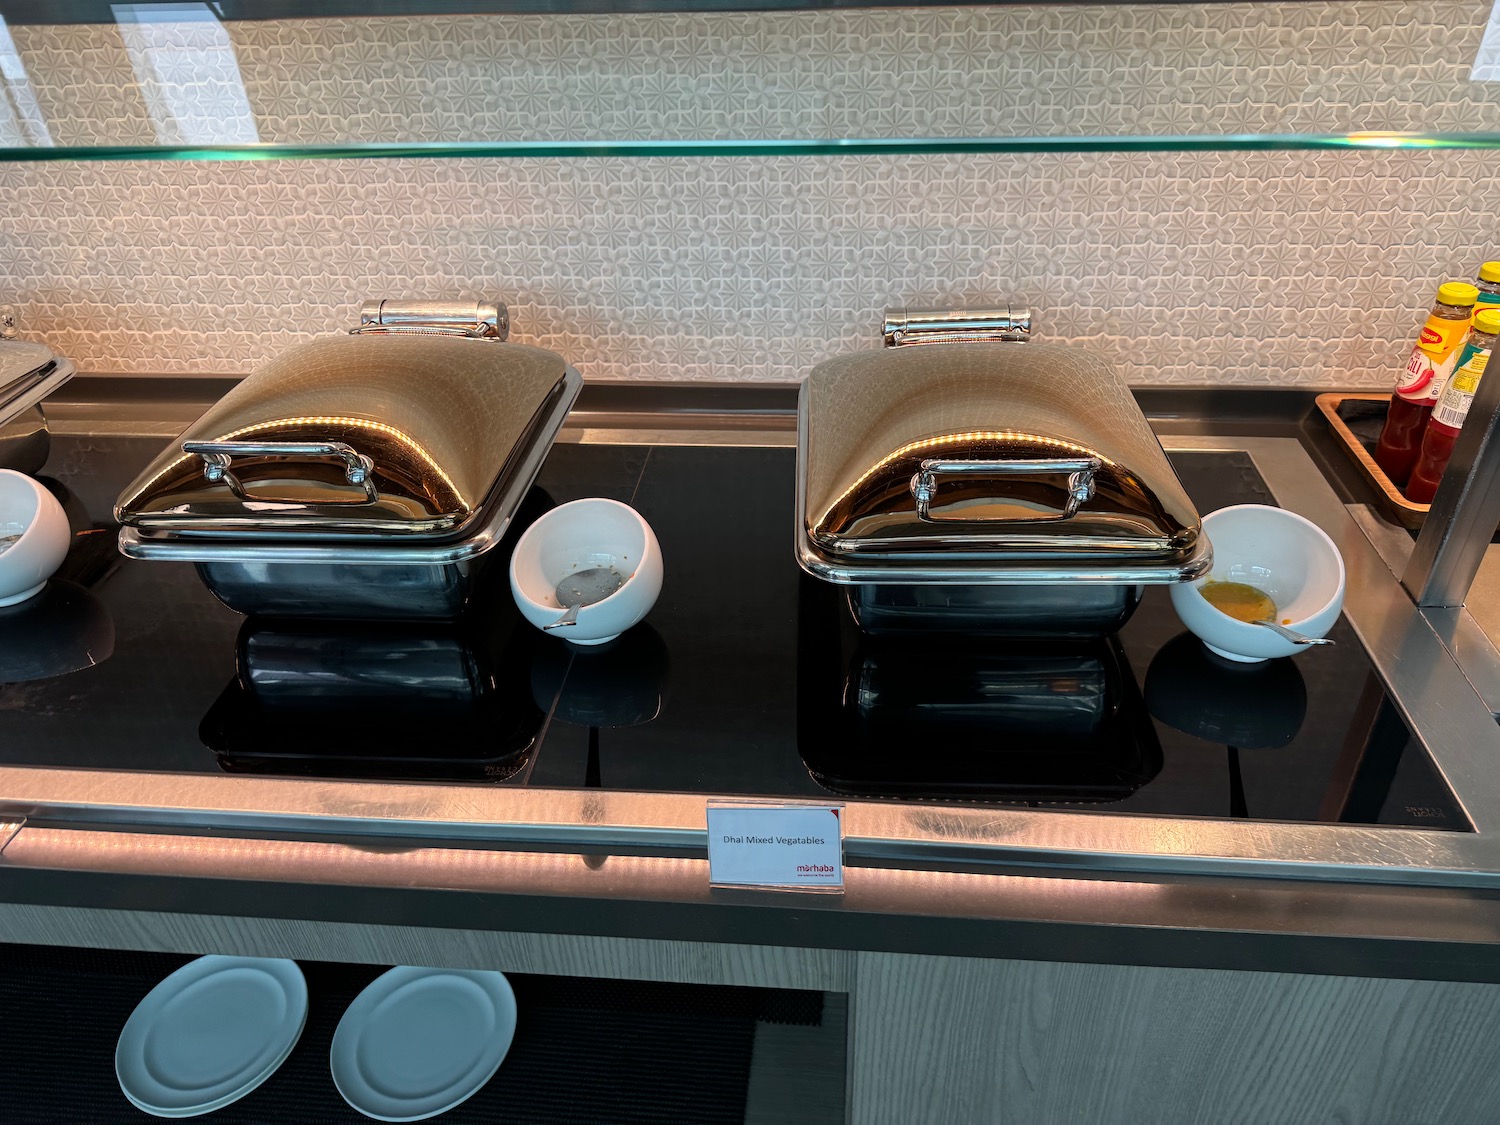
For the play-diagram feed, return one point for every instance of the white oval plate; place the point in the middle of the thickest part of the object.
(210, 1033)
(417, 1042)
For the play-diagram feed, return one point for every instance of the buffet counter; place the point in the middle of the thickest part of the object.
(1343, 903)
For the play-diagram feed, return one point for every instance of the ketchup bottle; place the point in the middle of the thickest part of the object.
(1421, 382)
(1449, 414)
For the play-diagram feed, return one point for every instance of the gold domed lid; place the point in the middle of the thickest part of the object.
(985, 461)
(354, 436)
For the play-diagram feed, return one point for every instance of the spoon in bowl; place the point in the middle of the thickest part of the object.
(1292, 635)
(584, 587)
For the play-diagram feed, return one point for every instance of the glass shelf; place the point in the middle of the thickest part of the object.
(83, 80)
(867, 146)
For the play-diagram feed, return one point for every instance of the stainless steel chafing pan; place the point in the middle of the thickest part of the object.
(986, 485)
(362, 476)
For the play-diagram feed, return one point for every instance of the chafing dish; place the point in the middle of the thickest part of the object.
(986, 485)
(29, 372)
(360, 476)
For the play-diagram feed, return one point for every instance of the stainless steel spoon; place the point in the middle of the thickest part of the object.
(584, 587)
(1292, 635)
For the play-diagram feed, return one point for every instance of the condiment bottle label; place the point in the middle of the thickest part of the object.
(1458, 395)
(1432, 360)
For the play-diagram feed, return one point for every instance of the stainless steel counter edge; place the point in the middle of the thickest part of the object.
(1438, 700)
(58, 883)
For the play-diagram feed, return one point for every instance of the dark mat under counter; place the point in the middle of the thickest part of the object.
(585, 1051)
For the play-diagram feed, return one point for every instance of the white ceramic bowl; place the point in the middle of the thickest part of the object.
(27, 509)
(578, 536)
(1277, 551)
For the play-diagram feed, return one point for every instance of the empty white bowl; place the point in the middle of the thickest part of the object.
(579, 536)
(32, 514)
(1279, 552)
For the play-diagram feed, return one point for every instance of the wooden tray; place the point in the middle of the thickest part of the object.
(1356, 421)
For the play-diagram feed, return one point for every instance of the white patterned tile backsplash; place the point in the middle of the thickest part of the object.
(1279, 268)
(1270, 268)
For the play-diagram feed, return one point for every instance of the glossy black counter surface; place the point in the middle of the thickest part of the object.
(726, 689)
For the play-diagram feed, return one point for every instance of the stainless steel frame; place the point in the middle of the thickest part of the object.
(1464, 512)
(1427, 684)
(25, 441)
(24, 437)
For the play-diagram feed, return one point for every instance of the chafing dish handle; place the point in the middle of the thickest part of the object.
(487, 320)
(954, 326)
(218, 456)
(1080, 472)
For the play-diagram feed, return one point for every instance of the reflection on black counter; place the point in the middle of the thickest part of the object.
(728, 615)
(621, 683)
(1033, 720)
(1378, 766)
(1247, 706)
(1244, 706)
(438, 701)
(294, 668)
(63, 629)
(1314, 738)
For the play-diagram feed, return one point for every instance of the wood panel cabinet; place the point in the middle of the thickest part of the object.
(963, 1040)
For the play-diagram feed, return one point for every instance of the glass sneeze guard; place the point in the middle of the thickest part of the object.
(251, 81)
(852, 146)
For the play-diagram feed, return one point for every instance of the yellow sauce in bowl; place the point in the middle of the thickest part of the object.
(1239, 600)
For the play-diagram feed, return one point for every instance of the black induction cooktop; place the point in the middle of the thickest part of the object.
(747, 678)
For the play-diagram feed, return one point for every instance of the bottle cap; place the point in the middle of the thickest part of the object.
(1490, 271)
(1488, 322)
(1457, 293)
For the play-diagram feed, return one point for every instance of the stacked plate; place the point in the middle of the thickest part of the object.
(210, 1033)
(417, 1042)
(414, 1044)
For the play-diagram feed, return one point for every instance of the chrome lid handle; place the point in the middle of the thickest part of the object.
(218, 457)
(1080, 470)
(484, 320)
(903, 327)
